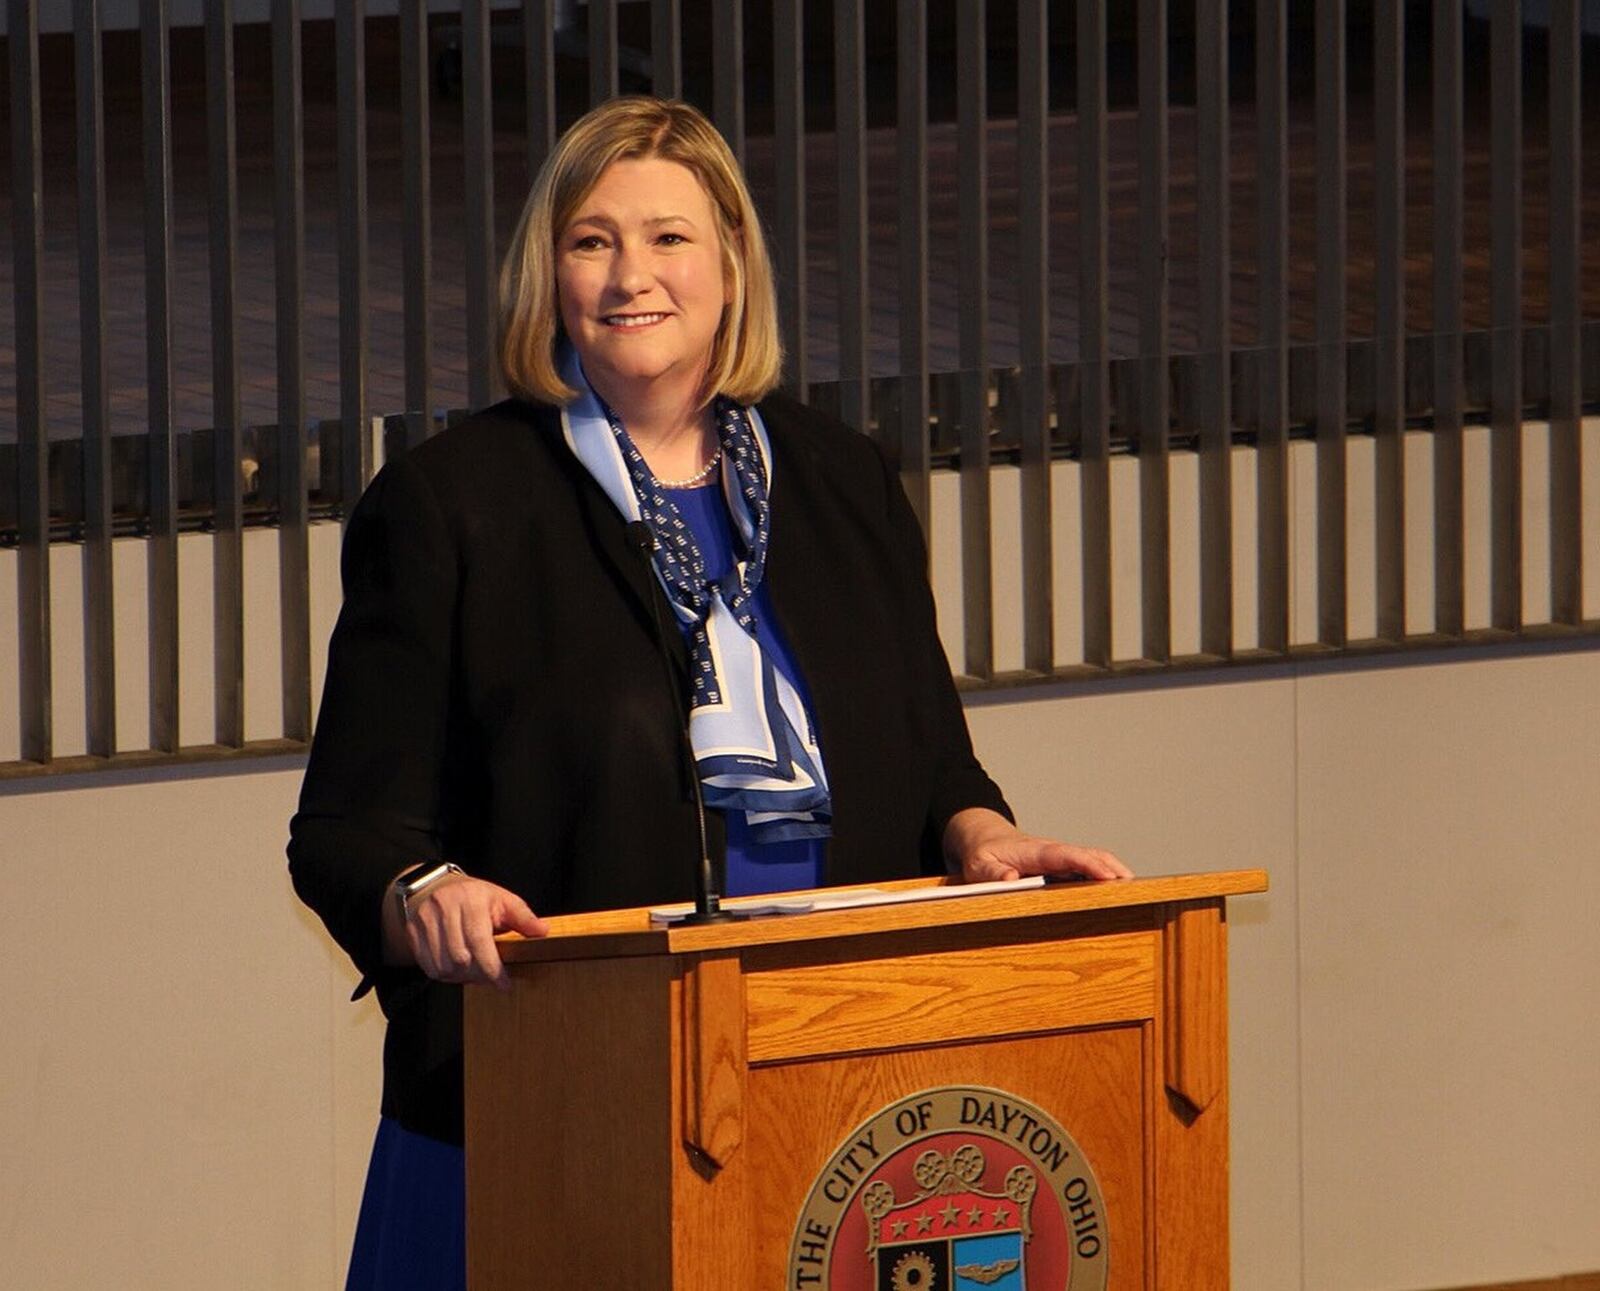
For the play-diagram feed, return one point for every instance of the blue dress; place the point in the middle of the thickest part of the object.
(411, 1233)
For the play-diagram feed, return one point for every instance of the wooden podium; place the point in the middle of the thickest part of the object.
(735, 1108)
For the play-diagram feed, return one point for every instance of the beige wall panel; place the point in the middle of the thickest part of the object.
(1183, 515)
(168, 1112)
(263, 658)
(1005, 556)
(1476, 547)
(1178, 778)
(1536, 522)
(1127, 630)
(67, 700)
(1361, 536)
(1419, 531)
(1302, 474)
(1591, 518)
(131, 562)
(1449, 875)
(10, 667)
(1066, 557)
(197, 690)
(1246, 625)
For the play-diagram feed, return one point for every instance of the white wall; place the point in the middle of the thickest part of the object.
(186, 1086)
(186, 1096)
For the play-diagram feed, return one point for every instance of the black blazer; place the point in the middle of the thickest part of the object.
(495, 696)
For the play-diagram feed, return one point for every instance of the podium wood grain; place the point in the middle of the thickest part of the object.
(650, 1107)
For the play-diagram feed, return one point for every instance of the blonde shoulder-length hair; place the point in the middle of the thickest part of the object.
(746, 355)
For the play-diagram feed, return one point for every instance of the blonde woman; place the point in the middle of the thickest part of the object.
(498, 736)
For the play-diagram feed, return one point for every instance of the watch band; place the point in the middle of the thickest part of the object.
(418, 879)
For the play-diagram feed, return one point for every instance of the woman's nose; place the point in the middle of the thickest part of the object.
(630, 270)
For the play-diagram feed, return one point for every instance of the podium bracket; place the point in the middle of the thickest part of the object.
(714, 1059)
(1195, 966)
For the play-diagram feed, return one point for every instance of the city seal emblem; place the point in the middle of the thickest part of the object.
(959, 1188)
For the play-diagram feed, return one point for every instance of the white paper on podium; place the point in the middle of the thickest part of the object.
(848, 899)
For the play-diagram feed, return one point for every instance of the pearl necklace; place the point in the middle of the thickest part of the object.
(702, 474)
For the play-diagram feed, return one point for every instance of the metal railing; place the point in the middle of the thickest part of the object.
(983, 368)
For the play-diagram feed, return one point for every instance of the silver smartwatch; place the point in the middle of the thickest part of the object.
(414, 882)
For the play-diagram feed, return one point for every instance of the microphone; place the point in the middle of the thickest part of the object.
(707, 902)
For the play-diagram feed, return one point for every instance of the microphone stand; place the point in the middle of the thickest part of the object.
(707, 902)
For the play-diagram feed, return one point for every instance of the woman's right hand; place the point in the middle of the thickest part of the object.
(450, 930)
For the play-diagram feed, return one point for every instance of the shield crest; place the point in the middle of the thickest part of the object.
(955, 1234)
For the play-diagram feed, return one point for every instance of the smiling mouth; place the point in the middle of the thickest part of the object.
(632, 320)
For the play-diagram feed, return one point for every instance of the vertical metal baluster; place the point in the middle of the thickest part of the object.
(539, 68)
(1039, 647)
(1272, 440)
(1566, 305)
(789, 163)
(1505, 307)
(727, 86)
(99, 638)
(1332, 614)
(602, 50)
(1390, 225)
(1215, 319)
(1155, 412)
(850, 129)
(155, 84)
(33, 444)
(227, 436)
(666, 48)
(1094, 331)
(289, 253)
(1448, 388)
(977, 584)
(416, 235)
(911, 231)
(477, 158)
(355, 439)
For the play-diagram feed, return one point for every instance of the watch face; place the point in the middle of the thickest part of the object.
(410, 878)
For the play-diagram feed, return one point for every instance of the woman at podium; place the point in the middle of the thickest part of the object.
(533, 600)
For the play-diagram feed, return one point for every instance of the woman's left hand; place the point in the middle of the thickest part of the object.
(982, 846)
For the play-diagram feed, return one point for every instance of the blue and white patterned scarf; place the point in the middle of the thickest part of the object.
(752, 737)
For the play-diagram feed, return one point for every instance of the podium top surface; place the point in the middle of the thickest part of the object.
(630, 932)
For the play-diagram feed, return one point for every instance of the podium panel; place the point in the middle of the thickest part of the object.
(1018, 1091)
(804, 1110)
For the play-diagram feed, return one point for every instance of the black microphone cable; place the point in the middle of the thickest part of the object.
(707, 903)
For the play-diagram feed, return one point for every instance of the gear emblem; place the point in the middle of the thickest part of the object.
(913, 1272)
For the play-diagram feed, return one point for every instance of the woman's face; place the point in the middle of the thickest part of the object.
(639, 278)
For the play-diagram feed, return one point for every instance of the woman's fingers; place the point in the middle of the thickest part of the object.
(477, 930)
(990, 869)
(1024, 854)
(1096, 863)
(453, 926)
